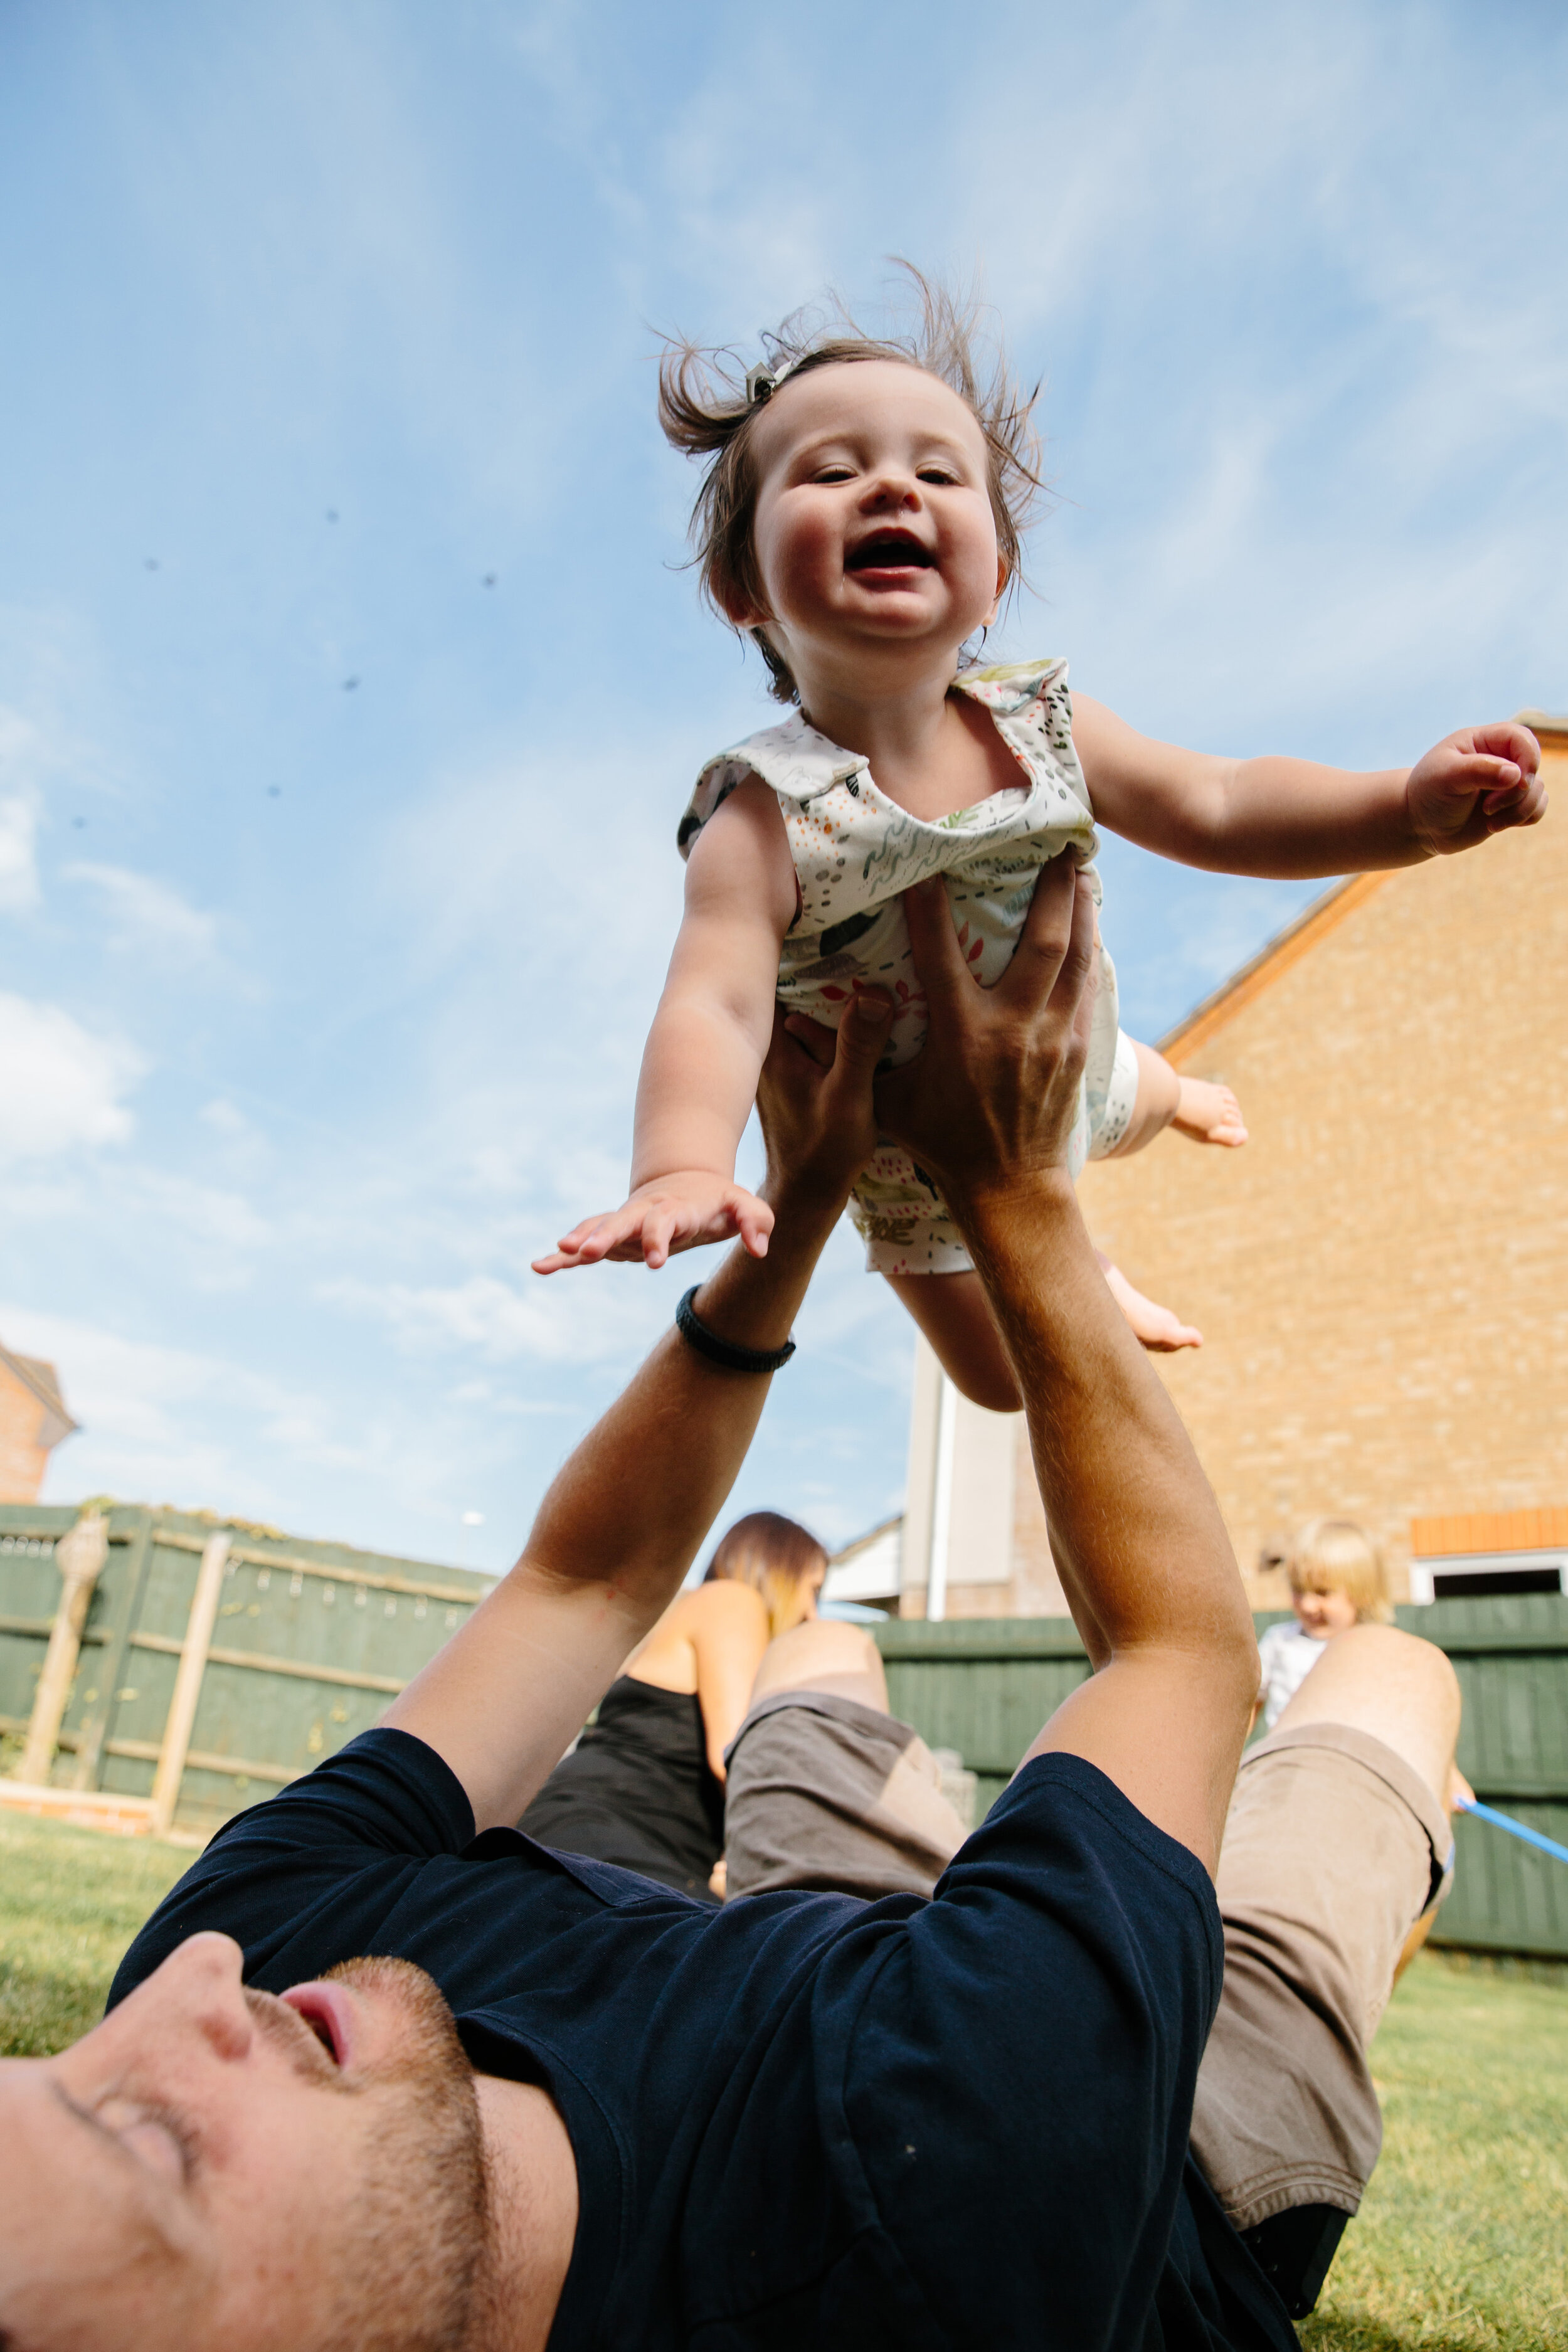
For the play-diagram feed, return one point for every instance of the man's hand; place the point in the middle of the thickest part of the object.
(1482, 780)
(679, 1211)
(813, 1099)
(992, 1097)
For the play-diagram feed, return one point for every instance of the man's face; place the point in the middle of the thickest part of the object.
(873, 522)
(216, 2167)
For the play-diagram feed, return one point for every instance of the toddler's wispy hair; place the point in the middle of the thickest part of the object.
(709, 401)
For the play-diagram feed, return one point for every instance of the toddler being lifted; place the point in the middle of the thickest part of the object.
(861, 520)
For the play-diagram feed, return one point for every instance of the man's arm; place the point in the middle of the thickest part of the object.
(1296, 818)
(621, 1523)
(1135, 1529)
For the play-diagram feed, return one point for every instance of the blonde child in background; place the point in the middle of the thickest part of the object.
(1337, 1580)
(860, 520)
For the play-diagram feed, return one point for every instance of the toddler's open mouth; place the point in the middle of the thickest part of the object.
(890, 550)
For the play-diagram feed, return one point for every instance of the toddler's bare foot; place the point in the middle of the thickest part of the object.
(1209, 1114)
(1154, 1326)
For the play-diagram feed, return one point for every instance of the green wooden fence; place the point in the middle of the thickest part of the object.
(309, 1642)
(984, 1686)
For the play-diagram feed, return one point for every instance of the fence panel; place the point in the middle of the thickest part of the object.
(309, 1642)
(983, 1685)
(311, 1639)
(984, 1688)
(1511, 1657)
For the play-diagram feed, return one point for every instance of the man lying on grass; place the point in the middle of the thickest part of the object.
(562, 2104)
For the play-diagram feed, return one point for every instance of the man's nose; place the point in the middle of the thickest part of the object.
(200, 1985)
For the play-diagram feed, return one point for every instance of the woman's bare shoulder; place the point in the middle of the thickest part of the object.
(723, 1604)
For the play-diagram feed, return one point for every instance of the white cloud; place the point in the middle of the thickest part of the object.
(60, 1087)
(587, 1317)
(20, 803)
(148, 915)
(203, 1213)
(18, 866)
(156, 1422)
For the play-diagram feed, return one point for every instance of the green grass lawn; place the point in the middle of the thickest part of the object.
(1462, 2244)
(70, 1901)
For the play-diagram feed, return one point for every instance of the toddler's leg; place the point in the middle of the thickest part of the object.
(1193, 1107)
(1159, 1329)
(951, 1311)
(1209, 1114)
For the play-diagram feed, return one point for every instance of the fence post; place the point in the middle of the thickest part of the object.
(189, 1683)
(79, 1556)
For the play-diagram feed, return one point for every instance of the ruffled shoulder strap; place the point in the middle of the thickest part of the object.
(793, 758)
(1026, 699)
(1029, 703)
(1008, 687)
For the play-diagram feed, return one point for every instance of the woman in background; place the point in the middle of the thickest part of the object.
(645, 1785)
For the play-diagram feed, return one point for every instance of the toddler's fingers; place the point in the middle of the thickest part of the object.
(658, 1231)
(1524, 804)
(755, 1220)
(607, 1233)
(574, 1241)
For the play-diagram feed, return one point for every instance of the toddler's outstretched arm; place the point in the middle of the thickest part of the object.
(704, 1050)
(1292, 819)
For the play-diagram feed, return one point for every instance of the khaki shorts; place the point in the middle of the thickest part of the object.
(826, 1792)
(1333, 1848)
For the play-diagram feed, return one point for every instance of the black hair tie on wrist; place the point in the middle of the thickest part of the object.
(724, 1351)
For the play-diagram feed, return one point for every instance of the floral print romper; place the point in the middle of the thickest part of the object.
(856, 851)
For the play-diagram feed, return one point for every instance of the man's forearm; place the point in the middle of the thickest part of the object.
(638, 1495)
(1134, 1525)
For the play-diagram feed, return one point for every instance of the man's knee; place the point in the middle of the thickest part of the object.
(826, 1655)
(1398, 1687)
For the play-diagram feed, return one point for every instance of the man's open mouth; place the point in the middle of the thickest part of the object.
(890, 550)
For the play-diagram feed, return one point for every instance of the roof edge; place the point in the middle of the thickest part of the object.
(1273, 959)
(1277, 955)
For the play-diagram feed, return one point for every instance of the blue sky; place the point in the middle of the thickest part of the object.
(336, 884)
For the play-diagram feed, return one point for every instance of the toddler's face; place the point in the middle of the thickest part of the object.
(873, 526)
(1323, 1614)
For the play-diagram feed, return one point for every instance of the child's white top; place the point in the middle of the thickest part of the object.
(1288, 1654)
(856, 851)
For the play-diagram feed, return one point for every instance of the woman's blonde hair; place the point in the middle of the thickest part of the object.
(708, 401)
(1338, 1555)
(775, 1556)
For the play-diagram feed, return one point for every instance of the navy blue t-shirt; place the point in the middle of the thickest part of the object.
(803, 2121)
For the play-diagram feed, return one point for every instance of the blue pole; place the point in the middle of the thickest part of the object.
(1515, 1829)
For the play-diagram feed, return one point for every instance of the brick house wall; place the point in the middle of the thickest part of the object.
(1380, 1274)
(33, 1420)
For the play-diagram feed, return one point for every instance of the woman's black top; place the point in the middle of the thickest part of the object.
(636, 1789)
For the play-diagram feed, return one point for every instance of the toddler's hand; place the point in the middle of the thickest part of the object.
(679, 1211)
(1208, 1113)
(1482, 780)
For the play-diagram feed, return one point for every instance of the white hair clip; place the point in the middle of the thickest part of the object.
(762, 381)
